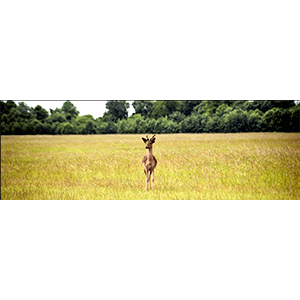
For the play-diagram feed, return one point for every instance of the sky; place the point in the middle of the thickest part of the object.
(85, 107)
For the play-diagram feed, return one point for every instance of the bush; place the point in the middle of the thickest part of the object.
(67, 128)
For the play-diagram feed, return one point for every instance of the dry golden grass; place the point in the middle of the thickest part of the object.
(190, 166)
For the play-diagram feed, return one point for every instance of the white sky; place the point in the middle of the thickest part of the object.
(85, 107)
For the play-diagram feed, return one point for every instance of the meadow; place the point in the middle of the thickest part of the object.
(190, 166)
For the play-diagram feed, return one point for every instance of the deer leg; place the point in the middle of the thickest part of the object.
(150, 179)
(147, 180)
(153, 180)
(145, 171)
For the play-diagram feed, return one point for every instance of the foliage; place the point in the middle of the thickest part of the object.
(117, 109)
(224, 116)
(143, 107)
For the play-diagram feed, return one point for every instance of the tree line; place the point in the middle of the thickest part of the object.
(184, 116)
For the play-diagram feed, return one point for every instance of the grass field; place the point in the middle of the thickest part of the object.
(190, 166)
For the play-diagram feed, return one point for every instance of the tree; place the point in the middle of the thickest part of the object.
(17, 128)
(172, 106)
(35, 127)
(117, 109)
(263, 106)
(85, 124)
(154, 116)
(159, 110)
(254, 120)
(295, 118)
(111, 127)
(222, 110)
(90, 127)
(143, 107)
(191, 123)
(187, 106)
(140, 123)
(67, 128)
(150, 125)
(40, 113)
(69, 110)
(55, 111)
(162, 108)
(177, 116)
(277, 119)
(283, 103)
(25, 112)
(236, 121)
(101, 127)
(56, 117)
(206, 107)
(239, 104)
(7, 106)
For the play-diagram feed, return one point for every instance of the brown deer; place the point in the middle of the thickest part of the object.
(149, 161)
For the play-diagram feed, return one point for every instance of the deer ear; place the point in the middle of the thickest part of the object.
(153, 141)
(144, 140)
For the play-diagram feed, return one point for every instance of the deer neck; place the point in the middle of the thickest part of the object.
(149, 152)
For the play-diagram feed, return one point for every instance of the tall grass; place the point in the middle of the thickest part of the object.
(190, 166)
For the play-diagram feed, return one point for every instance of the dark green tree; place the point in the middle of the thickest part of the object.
(255, 119)
(283, 103)
(295, 118)
(25, 112)
(239, 104)
(111, 127)
(187, 106)
(143, 107)
(177, 116)
(7, 106)
(40, 113)
(116, 109)
(69, 110)
(154, 117)
(159, 110)
(191, 124)
(277, 119)
(236, 121)
(67, 128)
(162, 108)
(206, 106)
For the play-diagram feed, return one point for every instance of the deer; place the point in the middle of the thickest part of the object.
(149, 161)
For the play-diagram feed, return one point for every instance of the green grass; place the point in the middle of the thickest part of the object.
(190, 166)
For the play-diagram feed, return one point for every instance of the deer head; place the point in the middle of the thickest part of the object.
(149, 142)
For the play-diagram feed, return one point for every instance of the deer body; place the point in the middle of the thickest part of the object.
(149, 161)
